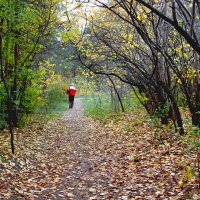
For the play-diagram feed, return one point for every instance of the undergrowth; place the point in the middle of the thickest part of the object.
(44, 115)
(100, 107)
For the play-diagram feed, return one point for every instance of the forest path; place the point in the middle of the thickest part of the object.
(80, 180)
(76, 158)
(82, 173)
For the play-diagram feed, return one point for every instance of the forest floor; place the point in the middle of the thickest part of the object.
(77, 158)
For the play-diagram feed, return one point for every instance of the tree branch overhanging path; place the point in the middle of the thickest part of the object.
(76, 158)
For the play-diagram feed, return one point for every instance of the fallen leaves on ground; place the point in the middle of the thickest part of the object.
(78, 158)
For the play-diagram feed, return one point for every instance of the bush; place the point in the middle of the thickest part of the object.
(54, 95)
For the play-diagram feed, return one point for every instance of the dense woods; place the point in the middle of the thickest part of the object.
(27, 30)
(122, 52)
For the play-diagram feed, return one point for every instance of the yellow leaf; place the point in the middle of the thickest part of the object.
(189, 173)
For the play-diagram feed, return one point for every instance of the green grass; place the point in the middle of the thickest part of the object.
(97, 107)
(44, 115)
(60, 107)
(100, 107)
(54, 108)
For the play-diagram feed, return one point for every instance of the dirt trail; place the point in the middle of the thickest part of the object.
(81, 146)
(83, 141)
(76, 158)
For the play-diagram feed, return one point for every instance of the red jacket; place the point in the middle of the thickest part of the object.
(71, 91)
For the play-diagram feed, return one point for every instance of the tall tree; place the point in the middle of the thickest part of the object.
(24, 25)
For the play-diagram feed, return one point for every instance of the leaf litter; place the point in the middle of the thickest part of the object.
(78, 158)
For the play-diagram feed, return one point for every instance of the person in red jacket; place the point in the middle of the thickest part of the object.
(71, 92)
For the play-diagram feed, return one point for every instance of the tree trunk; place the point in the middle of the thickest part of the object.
(175, 108)
(16, 63)
(1, 55)
(14, 90)
(196, 118)
(8, 94)
(119, 98)
(10, 124)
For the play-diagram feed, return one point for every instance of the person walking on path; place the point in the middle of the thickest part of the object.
(71, 92)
